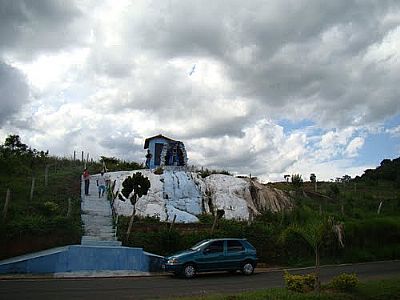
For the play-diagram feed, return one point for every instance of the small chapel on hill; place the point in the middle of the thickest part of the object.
(164, 152)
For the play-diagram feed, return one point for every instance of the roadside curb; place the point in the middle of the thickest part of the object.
(80, 275)
(120, 274)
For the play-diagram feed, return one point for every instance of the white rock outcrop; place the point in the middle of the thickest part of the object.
(185, 195)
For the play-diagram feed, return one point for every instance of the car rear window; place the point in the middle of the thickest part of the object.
(235, 246)
(248, 245)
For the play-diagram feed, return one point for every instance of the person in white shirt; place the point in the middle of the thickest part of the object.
(101, 183)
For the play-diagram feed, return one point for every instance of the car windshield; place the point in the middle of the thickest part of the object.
(198, 245)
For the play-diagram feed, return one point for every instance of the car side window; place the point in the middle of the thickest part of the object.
(235, 246)
(215, 247)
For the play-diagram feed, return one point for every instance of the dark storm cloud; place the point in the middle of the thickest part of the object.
(14, 92)
(176, 28)
(28, 27)
(280, 54)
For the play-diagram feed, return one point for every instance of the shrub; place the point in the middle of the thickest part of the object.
(50, 208)
(299, 283)
(344, 282)
(159, 171)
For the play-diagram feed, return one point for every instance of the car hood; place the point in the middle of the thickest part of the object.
(181, 254)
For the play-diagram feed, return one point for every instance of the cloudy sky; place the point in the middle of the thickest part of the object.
(278, 86)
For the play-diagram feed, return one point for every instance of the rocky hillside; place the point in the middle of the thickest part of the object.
(188, 195)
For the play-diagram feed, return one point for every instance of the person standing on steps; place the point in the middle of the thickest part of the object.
(148, 159)
(101, 183)
(86, 178)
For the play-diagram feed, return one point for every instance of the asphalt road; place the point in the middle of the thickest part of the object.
(168, 286)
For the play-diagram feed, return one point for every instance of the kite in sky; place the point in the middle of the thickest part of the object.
(191, 72)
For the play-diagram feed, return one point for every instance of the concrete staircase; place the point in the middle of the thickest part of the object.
(97, 218)
(100, 253)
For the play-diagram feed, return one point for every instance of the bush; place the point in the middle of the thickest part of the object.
(299, 283)
(344, 282)
(50, 208)
(159, 171)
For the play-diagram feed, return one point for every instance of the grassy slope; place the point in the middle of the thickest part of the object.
(41, 223)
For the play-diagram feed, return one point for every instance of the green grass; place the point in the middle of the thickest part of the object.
(40, 223)
(377, 290)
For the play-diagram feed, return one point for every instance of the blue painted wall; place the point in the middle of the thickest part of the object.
(152, 148)
(77, 258)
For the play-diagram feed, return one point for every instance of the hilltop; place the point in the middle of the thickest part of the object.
(367, 206)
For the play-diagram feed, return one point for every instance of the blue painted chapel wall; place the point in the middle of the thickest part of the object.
(152, 147)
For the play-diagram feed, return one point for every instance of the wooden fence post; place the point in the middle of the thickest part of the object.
(172, 224)
(46, 175)
(379, 207)
(82, 157)
(5, 209)
(32, 188)
(214, 223)
(69, 208)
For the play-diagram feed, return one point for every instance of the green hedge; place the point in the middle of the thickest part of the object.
(376, 238)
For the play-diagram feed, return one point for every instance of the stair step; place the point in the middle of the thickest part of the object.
(96, 214)
(96, 241)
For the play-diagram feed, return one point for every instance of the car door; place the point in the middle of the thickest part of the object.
(212, 257)
(235, 253)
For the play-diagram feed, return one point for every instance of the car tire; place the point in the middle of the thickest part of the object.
(189, 271)
(247, 268)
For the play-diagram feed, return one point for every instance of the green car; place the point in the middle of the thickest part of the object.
(226, 254)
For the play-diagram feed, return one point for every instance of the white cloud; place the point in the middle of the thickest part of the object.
(105, 75)
(394, 131)
(353, 147)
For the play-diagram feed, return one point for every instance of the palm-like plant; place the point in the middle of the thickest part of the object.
(314, 232)
(297, 182)
(313, 179)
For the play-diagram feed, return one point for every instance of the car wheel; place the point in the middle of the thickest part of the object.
(189, 271)
(247, 268)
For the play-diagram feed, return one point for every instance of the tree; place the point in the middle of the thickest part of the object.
(133, 188)
(385, 162)
(346, 178)
(313, 179)
(315, 232)
(109, 160)
(13, 142)
(297, 181)
(286, 177)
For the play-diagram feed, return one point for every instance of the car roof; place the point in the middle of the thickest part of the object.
(225, 239)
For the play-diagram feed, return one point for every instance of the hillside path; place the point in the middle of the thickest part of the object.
(97, 218)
